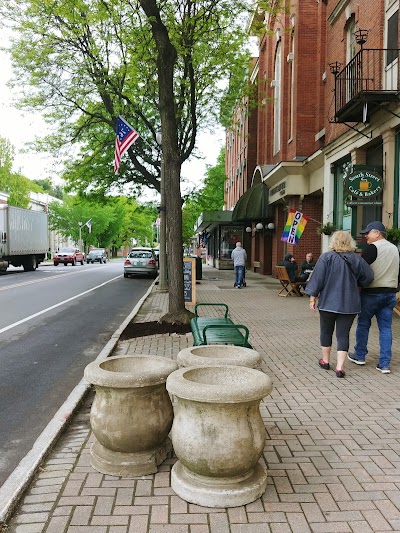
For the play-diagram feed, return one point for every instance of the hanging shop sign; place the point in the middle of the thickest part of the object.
(364, 185)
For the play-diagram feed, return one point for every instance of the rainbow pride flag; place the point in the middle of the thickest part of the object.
(294, 227)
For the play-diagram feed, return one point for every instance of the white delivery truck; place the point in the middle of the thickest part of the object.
(24, 237)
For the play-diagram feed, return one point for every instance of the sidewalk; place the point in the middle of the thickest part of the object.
(332, 450)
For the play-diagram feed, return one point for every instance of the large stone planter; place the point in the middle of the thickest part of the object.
(218, 434)
(131, 414)
(220, 355)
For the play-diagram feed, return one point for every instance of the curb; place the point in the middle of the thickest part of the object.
(17, 482)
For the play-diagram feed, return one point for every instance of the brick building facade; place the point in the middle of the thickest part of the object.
(324, 113)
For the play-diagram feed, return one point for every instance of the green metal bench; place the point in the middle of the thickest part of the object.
(218, 330)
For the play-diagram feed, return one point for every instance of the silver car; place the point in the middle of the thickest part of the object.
(97, 254)
(141, 261)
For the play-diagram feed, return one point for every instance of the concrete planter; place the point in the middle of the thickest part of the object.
(220, 355)
(131, 414)
(218, 434)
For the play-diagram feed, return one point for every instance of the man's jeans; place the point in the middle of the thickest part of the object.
(381, 305)
(239, 274)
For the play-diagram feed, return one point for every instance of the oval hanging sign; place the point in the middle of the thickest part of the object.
(364, 183)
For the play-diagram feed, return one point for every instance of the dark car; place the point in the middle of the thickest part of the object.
(68, 255)
(98, 254)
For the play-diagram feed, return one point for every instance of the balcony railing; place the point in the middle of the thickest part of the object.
(366, 82)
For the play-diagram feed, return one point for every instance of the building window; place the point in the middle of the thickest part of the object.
(230, 235)
(392, 36)
(342, 212)
(351, 68)
(291, 73)
(277, 99)
(350, 39)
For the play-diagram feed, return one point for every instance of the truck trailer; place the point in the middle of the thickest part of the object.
(24, 239)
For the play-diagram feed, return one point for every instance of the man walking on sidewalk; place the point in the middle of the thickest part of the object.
(379, 298)
(239, 257)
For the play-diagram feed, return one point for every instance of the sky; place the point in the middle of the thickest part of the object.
(21, 127)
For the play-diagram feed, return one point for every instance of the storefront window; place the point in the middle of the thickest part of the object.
(359, 213)
(230, 235)
(342, 218)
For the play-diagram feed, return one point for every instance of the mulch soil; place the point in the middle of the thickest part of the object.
(144, 329)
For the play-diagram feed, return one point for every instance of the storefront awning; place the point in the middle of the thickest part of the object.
(253, 205)
(210, 219)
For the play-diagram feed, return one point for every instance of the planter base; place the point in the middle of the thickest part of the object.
(127, 464)
(214, 492)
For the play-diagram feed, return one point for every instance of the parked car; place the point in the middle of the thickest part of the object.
(97, 254)
(69, 255)
(141, 261)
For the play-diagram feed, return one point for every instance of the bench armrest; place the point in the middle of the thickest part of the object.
(215, 305)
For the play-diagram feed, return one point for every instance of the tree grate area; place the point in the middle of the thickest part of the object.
(144, 329)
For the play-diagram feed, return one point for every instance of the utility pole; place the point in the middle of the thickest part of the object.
(162, 280)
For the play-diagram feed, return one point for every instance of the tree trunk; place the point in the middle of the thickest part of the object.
(177, 313)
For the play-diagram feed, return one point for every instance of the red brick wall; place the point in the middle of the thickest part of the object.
(368, 15)
(241, 153)
(310, 241)
(306, 41)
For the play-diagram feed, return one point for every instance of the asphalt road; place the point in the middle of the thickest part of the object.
(53, 322)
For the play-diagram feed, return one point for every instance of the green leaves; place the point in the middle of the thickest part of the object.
(115, 221)
(84, 62)
(17, 186)
(210, 197)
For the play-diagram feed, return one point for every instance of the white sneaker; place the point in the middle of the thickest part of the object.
(383, 370)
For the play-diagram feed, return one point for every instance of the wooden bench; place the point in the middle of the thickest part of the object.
(218, 330)
(288, 287)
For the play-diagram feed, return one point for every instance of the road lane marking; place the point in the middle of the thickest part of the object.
(56, 305)
(56, 276)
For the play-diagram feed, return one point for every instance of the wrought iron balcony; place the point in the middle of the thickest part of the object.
(367, 82)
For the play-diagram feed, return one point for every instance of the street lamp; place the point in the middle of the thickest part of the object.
(162, 282)
(80, 224)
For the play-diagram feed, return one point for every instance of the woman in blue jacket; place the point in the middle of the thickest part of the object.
(335, 283)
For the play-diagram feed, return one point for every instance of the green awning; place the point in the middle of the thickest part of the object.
(210, 219)
(253, 205)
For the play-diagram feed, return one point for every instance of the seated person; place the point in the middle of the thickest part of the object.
(291, 266)
(307, 266)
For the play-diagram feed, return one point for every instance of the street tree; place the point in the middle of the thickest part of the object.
(158, 63)
(15, 184)
(114, 222)
(51, 188)
(210, 197)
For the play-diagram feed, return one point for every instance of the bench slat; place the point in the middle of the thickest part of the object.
(218, 330)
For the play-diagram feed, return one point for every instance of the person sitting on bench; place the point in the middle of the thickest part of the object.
(306, 267)
(291, 266)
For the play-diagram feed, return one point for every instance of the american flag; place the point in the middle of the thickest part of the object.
(89, 225)
(126, 136)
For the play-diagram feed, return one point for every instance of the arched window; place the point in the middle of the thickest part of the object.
(291, 73)
(352, 81)
(350, 39)
(277, 99)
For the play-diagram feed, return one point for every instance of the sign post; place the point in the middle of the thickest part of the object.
(189, 280)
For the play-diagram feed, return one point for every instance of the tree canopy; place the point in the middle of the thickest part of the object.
(209, 198)
(159, 63)
(17, 186)
(83, 63)
(114, 223)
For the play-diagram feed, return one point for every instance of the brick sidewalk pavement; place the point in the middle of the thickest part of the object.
(332, 449)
